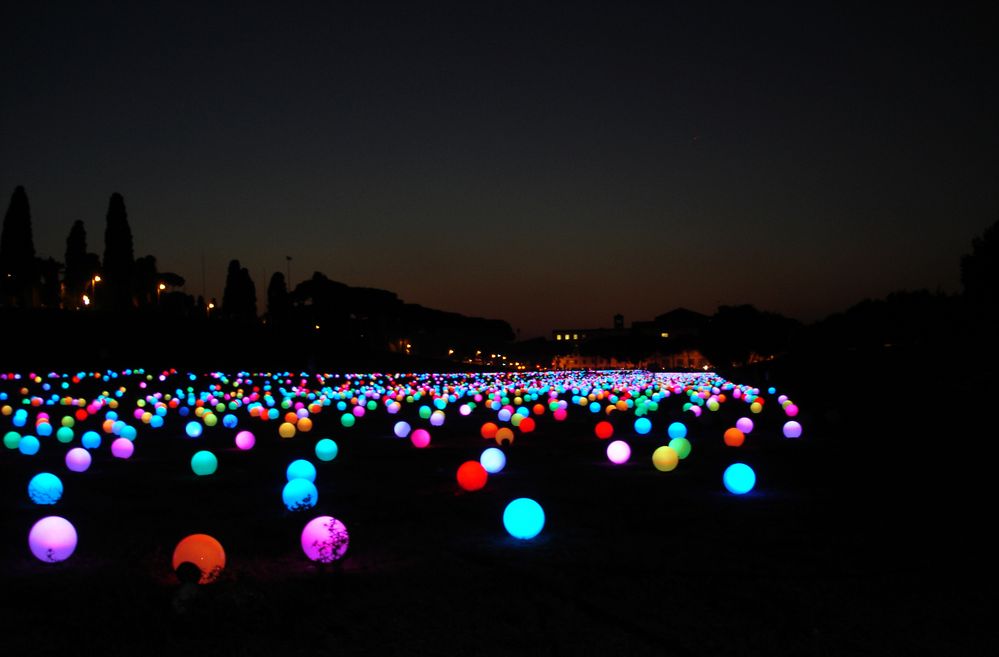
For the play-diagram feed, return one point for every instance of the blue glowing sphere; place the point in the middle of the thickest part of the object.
(299, 494)
(523, 518)
(739, 478)
(91, 440)
(326, 449)
(193, 429)
(230, 421)
(677, 430)
(401, 429)
(45, 488)
(643, 425)
(301, 469)
(29, 445)
(493, 460)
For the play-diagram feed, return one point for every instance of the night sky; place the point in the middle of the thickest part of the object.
(550, 166)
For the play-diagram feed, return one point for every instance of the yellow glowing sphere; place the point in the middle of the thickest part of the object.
(211, 419)
(305, 425)
(755, 408)
(665, 458)
(286, 430)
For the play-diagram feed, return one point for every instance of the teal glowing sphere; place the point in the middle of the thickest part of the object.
(347, 420)
(739, 478)
(677, 430)
(643, 425)
(29, 445)
(91, 440)
(64, 435)
(326, 449)
(523, 518)
(193, 429)
(299, 494)
(204, 463)
(11, 439)
(681, 446)
(45, 488)
(301, 469)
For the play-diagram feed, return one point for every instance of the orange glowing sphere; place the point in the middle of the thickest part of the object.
(734, 437)
(526, 425)
(204, 552)
(489, 430)
(286, 430)
(504, 435)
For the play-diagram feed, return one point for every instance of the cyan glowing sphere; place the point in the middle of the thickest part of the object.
(45, 488)
(643, 425)
(204, 552)
(301, 469)
(681, 446)
(52, 539)
(401, 429)
(739, 478)
(677, 430)
(792, 429)
(744, 424)
(523, 518)
(245, 440)
(326, 449)
(665, 458)
(91, 440)
(420, 438)
(493, 460)
(78, 459)
(204, 463)
(28, 445)
(325, 539)
(122, 448)
(299, 494)
(193, 429)
(619, 452)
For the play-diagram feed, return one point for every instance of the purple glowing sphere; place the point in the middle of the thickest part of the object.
(325, 539)
(52, 539)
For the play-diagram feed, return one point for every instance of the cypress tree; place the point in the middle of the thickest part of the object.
(278, 303)
(18, 273)
(119, 260)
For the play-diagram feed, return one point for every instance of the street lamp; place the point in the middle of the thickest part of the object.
(93, 289)
(159, 288)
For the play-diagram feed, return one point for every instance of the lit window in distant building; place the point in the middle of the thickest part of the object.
(558, 336)
(575, 336)
(664, 334)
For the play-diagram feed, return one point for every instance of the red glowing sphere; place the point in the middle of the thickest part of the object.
(604, 430)
(472, 476)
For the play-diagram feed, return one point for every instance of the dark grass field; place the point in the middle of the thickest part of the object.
(864, 537)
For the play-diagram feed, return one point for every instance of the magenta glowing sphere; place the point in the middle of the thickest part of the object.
(325, 539)
(420, 438)
(78, 459)
(245, 440)
(122, 448)
(792, 429)
(619, 452)
(52, 539)
(744, 424)
(791, 410)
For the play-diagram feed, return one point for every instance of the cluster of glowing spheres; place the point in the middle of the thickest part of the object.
(204, 552)
(665, 458)
(325, 539)
(45, 488)
(204, 463)
(619, 452)
(472, 476)
(52, 539)
(245, 440)
(299, 494)
(523, 518)
(792, 429)
(326, 449)
(78, 459)
(493, 460)
(739, 478)
(420, 438)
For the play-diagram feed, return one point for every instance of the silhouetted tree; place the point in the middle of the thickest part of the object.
(736, 333)
(278, 302)
(81, 267)
(18, 272)
(119, 260)
(239, 298)
(50, 287)
(145, 279)
(980, 274)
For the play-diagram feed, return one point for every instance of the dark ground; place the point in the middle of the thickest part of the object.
(864, 537)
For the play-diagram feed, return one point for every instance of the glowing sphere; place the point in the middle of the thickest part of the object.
(204, 552)
(619, 452)
(420, 438)
(472, 476)
(677, 430)
(643, 425)
(11, 439)
(28, 445)
(193, 429)
(744, 424)
(559, 414)
(739, 478)
(792, 429)
(204, 463)
(301, 469)
(504, 435)
(286, 430)
(230, 421)
(91, 440)
(78, 459)
(437, 418)
(665, 458)
(604, 430)
(488, 430)
(245, 440)
(401, 429)
(52, 539)
(527, 425)
(681, 446)
(523, 518)
(64, 435)
(347, 420)
(733, 437)
(45, 488)
(756, 407)
(299, 494)
(493, 460)
(325, 539)
(326, 449)
(791, 410)
(304, 425)
(122, 448)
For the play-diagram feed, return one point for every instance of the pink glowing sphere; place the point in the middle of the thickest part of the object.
(559, 414)
(619, 452)
(744, 424)
(245, 440)
(792, 429)
(791, 410)
(52, 539)
(122, 448)
(325, 539)
(78, 459)
(420, 438)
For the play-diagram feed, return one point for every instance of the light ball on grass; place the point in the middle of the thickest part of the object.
(401, 429)
(52, 539)
(523, 518)
(420, 438)
(744, 424)
(193, 429)
(286, 430)
(325, 539)
(122, 448)
(604, 430)
(29, 445)
(64, 435)
(437, 418)
(78, 459)
(301, 469)
(245, 440)
(488, 430)
(347, 420)
(91, 440)
(472, 476)
(677, 430)
(643, 425)
(739, 478)
(299, 494)
(45, 488)
(733, 437)
(493, 460)
(326, 449)
(619, 452)
(11, 439)
(665, 458)
(792, 429)
(203, 551)
(204, 463)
